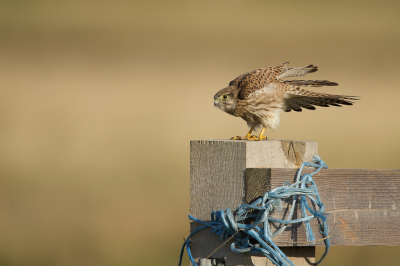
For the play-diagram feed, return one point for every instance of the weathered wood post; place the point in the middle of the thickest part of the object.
(217, 171)
(363, 205)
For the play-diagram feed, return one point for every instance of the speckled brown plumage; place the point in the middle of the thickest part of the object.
(259, 95)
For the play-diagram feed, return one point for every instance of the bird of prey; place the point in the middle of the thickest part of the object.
(259, 96)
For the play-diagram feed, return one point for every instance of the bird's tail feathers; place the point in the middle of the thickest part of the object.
(297, 99)
(297, 91)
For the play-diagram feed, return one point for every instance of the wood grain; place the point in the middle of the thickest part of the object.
(295, 151)
(257, 182)
(217, 170)
(362, 205)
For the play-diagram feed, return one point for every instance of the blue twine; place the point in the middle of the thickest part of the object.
(227, 224)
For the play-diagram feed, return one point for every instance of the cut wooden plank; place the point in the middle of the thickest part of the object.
(362, 205)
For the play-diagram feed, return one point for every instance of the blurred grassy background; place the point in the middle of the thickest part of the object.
(99, 100)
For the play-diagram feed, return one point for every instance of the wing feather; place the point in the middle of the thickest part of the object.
(298, 98)
(310, 83)
(258, 79)
(297, 71)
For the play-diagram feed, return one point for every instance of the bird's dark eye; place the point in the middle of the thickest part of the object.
(225, 96)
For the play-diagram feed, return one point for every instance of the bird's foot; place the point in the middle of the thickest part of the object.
(248, 137)
(256, 138)
(238, 138)
(251, 137)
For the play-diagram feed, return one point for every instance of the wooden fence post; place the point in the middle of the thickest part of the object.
(362, 204)
(217, 173)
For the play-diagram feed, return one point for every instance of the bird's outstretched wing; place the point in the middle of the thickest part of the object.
(297, 98)
(258, 79)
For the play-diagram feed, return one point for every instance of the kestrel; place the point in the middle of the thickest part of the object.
(259, 96)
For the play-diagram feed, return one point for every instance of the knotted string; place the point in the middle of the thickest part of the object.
(236, 225)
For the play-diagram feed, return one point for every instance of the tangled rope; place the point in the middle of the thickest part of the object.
(230, 225)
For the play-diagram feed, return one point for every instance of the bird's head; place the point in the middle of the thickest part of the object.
(225, 100)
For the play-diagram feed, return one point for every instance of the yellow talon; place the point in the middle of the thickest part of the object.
(250, 137)
(261, 137)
